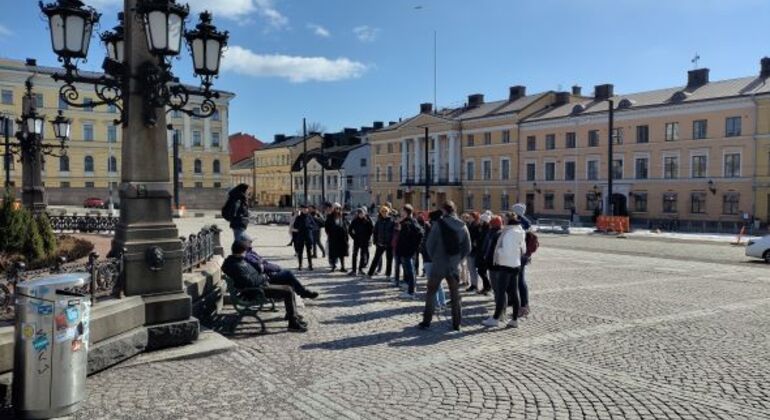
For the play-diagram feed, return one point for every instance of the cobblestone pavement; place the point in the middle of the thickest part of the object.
(611, 336)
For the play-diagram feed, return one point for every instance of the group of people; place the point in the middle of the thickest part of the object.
(483, 252)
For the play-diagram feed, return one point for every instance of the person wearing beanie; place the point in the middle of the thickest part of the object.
(382, 236)
(361, 229)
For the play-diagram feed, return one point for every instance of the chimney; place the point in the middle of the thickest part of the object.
(391, 123)
(475, 100)
(279, 138)
(426, 108)
(31, 62)
(516, 92)
(697, 78)
(577, 90)
(602, 92)
(350, 131)
(765, 73)
(561, 98)
(378, 125)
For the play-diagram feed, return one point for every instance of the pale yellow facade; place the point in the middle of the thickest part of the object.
(272, 185)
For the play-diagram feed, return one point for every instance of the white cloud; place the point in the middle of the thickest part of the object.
(5, 32)
(319, 30)
(366, 33)
(295, 68)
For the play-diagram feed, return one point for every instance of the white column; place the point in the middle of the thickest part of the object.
(403, 160)
(436, 159)
(187, 132)
(224, 136)
(417, 158)
(452, 157)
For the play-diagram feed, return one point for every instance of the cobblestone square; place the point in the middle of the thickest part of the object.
(620, 329)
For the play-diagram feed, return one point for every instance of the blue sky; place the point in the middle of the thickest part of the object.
(346, 63)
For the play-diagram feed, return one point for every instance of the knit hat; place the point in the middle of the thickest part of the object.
(496, 222)
(485, 218)
(336, 205)
(520, 209)
(384, 210)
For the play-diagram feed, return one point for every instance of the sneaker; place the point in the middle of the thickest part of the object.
(525, 312)
(490, 322)
(311, 295)
(484, 292)
(352, 272)
(406, 295)
(471, 289)
(513, 324)
(423, 325)
(295, 326)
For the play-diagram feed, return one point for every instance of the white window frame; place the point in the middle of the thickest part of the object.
(730, 151)
(598, 168)
(663, 157)
(470, 161)
(545, 172)
(491, 170)
(502, 159)
(642, 156)
(524, 168)
(564, 169)
(699, 152)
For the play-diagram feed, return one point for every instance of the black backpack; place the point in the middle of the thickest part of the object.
(228, 211)
(448, 237)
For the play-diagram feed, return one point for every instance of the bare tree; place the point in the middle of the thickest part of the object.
(313, 127)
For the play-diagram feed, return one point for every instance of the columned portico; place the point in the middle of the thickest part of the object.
(452, 157)
(404, 160)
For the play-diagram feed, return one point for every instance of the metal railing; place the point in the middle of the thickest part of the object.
(270, 217)
(200, 248)
(553, 225)
(84, 224)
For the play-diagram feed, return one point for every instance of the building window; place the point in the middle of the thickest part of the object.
(88, 105)
(64, 184)
(7, 97)
(593, 138)
(548, 201)
(112, 133)
(505, 202)
(592, 201)
(179, 165)
(39, 100)
(89, 184)
(470, 140)
(217, 185)
(699, 129)
(377, 174)
(505, 169)
(216, 116)
(88, 132)
(390, 147)
(670, 167)
(487, 142)
(215, 139)
(63, 105)
(349, 182)
(389, 174)
(698, 203)
(672, 131)
(642, 168)
(470, 171)
(216, 167)
(64, 164)
(569, 170)
(469, 202)
(550, 171)
(730, 203)
(88, 164)
(733, 165)
(593, 170)
(112, 108)
(617, 169)
(669, 203)
(531, 171)
(112, 164)
(197, 142)
(640, 202)
(642, 133)
(486, 167)
(198, 184)
(550, 141)
(531, 143)
(506, 136)
(617, 135)
(570, 140)
(363, 162)
(569, 201)
(198, 167)
(378, 149)
(486, 201)
(699, 166)
(733, 126)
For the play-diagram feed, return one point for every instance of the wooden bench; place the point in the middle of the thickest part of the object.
(251, 306)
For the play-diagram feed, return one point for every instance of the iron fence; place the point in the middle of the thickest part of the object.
(83, 224)
(200, 248)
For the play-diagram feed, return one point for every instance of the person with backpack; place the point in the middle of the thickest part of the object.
(236, 210)
(409, 239)
(383, 234)
(533, 243)
(361, 229)
(448, 244)
(503, 255)
(303, 228)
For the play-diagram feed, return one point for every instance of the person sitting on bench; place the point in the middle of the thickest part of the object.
(275, 273)
(244, 277)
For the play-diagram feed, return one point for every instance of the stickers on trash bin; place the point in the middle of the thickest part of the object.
(65, 335)
(28, 330)
(45, 309)
(40, 343)
(77, 345)
(60, 321)
(73, 313)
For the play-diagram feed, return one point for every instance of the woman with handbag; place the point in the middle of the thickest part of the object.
(504, 258)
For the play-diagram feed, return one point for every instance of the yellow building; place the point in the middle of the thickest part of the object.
(272, 185)
(93, 158)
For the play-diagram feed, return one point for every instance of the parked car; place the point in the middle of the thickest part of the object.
(93, 203)
(759, 248)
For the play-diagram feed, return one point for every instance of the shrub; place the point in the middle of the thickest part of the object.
(34, 248)
(12, 225)
(46, 233)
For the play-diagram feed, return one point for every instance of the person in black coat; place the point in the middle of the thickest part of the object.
(383, 234)
(361, 230)
(409, 240)
(319, 224)
(236, 210)
(303, 228)
(337, 233)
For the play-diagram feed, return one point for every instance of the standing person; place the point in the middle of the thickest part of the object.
(409, 239)
(293, 217)
(474, 229)
(481, 266)
(319, 223)
(383, 233)
(520, 210)
(449, 242)
(433, 218)
(503, 254)
(361, 230)
(236, 210)
(303, 237)
(423, 225)
(337, 234)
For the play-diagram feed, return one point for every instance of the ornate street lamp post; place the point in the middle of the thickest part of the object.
(138, 80)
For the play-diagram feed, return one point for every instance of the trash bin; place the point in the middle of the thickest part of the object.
(51, 346)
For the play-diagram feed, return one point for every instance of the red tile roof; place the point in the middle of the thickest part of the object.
(242, 145)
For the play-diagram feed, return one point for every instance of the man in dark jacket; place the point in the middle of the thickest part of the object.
(245, 277)
(383, 233)
(361, 230)
(236, 210)
(409, 239)
(275, 273)
(319, 223)
(303, 228)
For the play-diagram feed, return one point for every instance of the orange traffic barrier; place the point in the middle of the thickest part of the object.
(616, 224)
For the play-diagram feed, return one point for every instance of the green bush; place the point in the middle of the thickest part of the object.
(34, 248)
(47, 234)
(13, 225)
(24, 234)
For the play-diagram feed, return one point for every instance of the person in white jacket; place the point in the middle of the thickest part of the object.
(504, 259)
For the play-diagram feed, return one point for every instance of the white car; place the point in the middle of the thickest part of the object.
(759, 248)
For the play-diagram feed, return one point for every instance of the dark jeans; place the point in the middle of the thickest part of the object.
(284, 293)
(397, 269)
(409, 277)
(481, 268)
(304, 245)
(523, 289)
(361, 251)
(287, 278)
(388, 251)
(333, 262)
(502, 282)
(417, 264)
(454, 294)
(317, 244)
